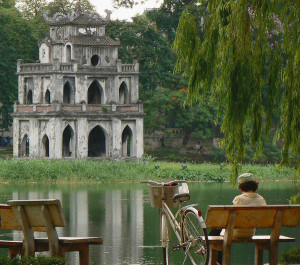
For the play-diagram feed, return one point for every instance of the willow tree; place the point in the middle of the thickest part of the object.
(244, 56)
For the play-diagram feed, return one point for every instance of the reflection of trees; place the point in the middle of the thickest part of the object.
(115, 215)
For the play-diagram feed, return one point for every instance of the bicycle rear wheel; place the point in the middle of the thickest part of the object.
(195, 237)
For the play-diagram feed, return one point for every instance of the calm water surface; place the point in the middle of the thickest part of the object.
(121, 214)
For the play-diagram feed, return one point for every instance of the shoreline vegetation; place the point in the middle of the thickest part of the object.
(108, 171)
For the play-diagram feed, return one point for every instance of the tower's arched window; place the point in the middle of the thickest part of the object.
(97, 142)
(127, 142)
(29, 97)
(68, 142)
(47, 97)
(24, 146)
(67, 93)
(45, 143)
(68, 53)
(123, 94)
(95, 93)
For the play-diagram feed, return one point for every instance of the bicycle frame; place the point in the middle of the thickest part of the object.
(172, 220)
(187, 224)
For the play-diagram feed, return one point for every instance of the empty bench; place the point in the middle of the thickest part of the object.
(8, 222)
(246, 217)
(46, 215)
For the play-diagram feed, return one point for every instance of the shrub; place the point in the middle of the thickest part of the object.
(295, 199)
(40, 260)
(291, 257)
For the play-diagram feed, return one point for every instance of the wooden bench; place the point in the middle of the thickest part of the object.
(46, 215)
(231, 217)
(8, 222)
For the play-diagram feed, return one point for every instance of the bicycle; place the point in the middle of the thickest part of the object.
(187, 224)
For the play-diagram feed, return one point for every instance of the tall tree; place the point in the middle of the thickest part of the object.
(167, 15)
(31, 8)
(16, 42)
(166, 108)
(7, 3)
(65, 6)
(249, 55)
(141, 41)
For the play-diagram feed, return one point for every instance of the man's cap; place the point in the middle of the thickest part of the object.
(246, 177)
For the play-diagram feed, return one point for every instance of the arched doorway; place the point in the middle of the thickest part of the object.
(45, 142)
(95, 93)
(127, 142)
(24, 146)
(67, 93)
(29, 97)
(97, 142)
(67, 147)
(123, 94)
(47, 97)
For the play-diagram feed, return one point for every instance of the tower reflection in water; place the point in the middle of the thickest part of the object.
(116, 215)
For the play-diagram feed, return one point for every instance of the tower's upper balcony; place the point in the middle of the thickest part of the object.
(75, 67)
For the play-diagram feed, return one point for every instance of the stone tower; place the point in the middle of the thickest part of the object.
(78, 100)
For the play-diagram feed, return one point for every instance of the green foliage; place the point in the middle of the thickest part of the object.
(291, 257)
(64, 6)
(141, 41)
(124, 3)
(31, 8)
(32, 261)
(167, 16)
(39, 170)
(248, 60)
(295, 199)
(7, 3)
(16, 42)
(165, 108)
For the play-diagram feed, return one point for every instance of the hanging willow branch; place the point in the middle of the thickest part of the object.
(248, 61)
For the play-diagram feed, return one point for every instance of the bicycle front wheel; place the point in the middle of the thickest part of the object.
(165, 238)
(195, 238)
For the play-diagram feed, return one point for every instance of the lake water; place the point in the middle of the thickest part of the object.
(121, 214)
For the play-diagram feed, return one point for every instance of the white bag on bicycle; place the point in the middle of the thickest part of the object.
(184, 188)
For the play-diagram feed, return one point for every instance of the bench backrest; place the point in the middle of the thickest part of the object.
(35, 211)
(8, 221)
(33, 214)
(217, 216)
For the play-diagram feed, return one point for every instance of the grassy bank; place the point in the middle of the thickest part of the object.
(39, 170)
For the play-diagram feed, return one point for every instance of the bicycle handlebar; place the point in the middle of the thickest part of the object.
(151, 182)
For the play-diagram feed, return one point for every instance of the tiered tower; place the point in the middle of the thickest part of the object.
(78, 100)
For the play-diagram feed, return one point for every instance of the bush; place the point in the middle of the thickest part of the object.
(291, 257)
(40, 260)
(295, 199)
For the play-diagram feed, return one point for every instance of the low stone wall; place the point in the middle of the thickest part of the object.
(153, 142)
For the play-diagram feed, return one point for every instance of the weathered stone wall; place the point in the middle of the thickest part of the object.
(79, 100)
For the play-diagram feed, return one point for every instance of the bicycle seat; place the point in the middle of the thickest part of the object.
(182, 197)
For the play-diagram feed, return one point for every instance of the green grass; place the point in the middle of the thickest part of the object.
(32, 261)
(42, 170)
(6, 151)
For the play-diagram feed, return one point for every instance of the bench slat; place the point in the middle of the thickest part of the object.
(254, 239)
(71, 240)
(251, 216)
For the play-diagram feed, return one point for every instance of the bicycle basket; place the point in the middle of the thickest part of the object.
(155, 195)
